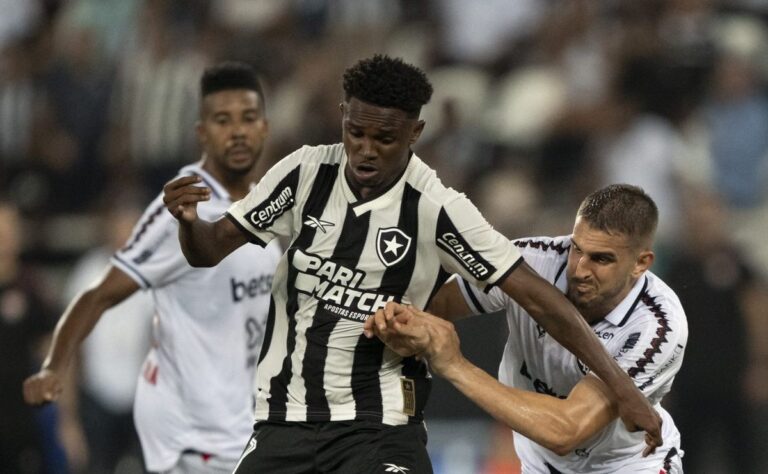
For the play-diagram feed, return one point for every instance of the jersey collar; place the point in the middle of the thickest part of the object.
(218, 190)
(389, 198)
(620, 314)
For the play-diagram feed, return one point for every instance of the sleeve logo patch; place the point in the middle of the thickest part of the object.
(461, 251)
(267, 212)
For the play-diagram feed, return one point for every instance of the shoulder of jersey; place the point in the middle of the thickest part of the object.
(554, 246)
(425, 180)
(661, 298)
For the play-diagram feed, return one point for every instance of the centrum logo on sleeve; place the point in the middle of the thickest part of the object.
(275, 206)
(461, 251)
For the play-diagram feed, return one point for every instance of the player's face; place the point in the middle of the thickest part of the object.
(377, 141)
(232, 130)
(602, 268)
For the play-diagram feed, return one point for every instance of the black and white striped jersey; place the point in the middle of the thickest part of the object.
(347, 258)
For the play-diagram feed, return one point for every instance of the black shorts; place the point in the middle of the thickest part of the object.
(343, 447)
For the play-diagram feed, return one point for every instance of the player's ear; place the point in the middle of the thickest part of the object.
(418, 127)
(644, 261)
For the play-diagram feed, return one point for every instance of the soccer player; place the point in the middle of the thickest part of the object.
(194, 399)
(571, 424)
(369, 223)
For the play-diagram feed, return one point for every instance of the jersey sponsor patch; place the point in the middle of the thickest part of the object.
(409, 396)
(263, 215)
(337, 287)
(392, 244)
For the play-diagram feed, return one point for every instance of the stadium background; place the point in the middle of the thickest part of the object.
(536, 103)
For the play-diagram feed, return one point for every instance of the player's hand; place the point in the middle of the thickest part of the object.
(409, 331)
(638, 415)
(42, 387)
(181, 196)
(395, 326)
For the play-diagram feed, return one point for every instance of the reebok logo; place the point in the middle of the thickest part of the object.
(394, 468)
(316, 223)
(267, 212)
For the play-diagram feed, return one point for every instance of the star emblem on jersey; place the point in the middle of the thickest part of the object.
(316, 223)
(392, 245)
(394, 468)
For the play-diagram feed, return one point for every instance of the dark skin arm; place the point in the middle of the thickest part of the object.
(552, 310)
(75, 324)
(203, 243)
(559, 425)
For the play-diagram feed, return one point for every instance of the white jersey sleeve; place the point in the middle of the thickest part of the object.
(480, 302)
(268, 210)
(469, 244)
(152, 256)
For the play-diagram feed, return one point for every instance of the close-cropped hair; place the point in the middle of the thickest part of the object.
(621, 209)
(388, 82)
(231, 75)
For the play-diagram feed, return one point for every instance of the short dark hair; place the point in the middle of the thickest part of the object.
(623, 209)
(388, 82)
(230, 75)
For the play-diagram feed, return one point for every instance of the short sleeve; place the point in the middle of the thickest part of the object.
(652, 355)
(152, 256)
(471, 247)
(481, 302)
(267, 210)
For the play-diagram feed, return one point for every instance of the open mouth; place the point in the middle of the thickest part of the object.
(365, 172)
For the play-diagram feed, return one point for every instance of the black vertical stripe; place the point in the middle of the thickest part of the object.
(366, 388)
(268, 331)
(417, 371)
(397, 278)
(347, 253)
(314, 204)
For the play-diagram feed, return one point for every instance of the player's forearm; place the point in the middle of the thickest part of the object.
(75, 324)
(564, 323)
(552, 310)
(197, 240)
(541, 418)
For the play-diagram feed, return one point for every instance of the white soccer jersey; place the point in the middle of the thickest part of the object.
(646, 333)
(347, 258)
(196, 390)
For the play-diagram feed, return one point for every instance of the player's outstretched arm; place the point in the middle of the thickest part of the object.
(203, 243)
(552, 310)
(558, 425)
(75, 324)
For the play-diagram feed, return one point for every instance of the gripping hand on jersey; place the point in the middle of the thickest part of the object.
(409, 331)
(181, 196)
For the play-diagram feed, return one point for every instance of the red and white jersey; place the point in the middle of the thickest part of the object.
(196, 389)
(646, 333)
(347, 258)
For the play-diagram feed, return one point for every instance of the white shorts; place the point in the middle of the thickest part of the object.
(198, 463)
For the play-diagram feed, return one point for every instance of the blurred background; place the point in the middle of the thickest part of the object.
(537, 103)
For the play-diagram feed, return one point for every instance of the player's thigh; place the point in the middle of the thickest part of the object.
(394, 449)
(279, 448)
